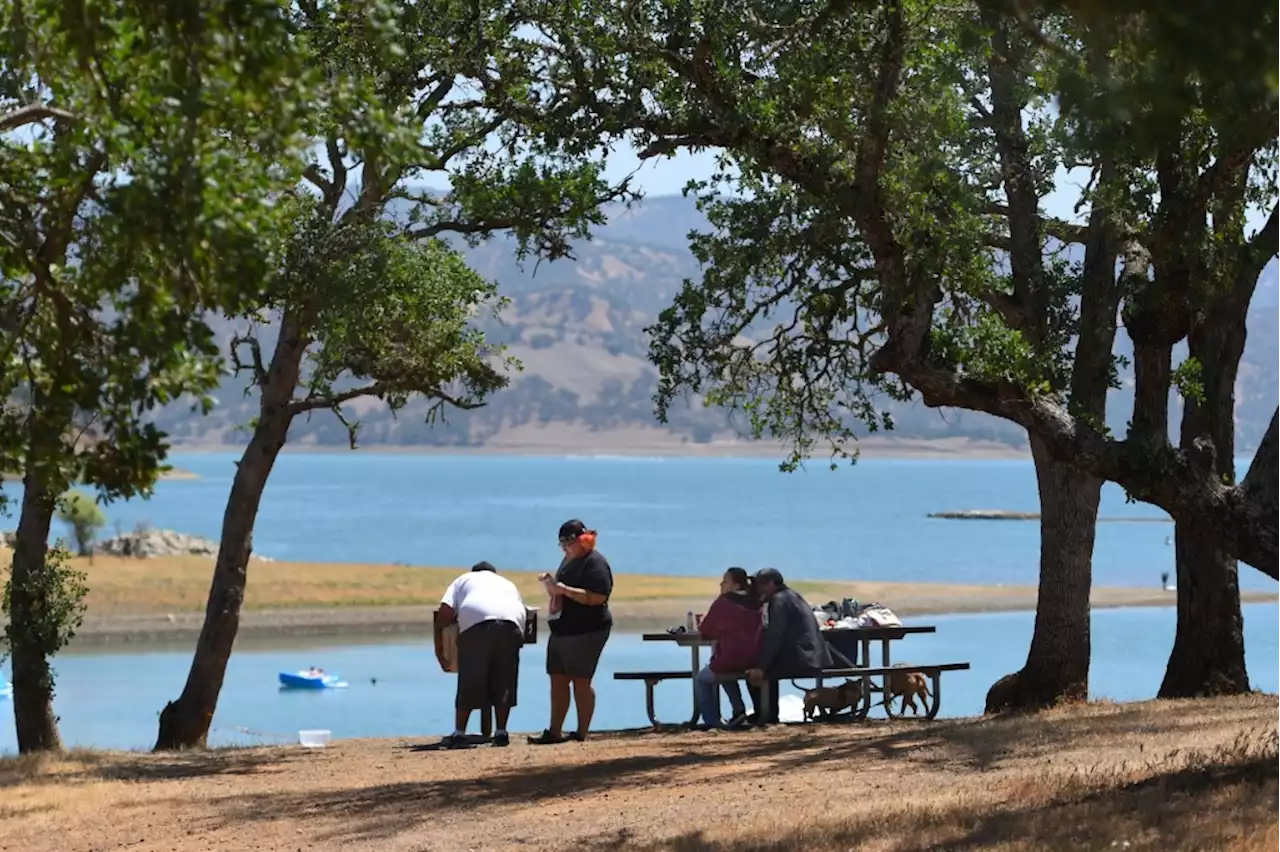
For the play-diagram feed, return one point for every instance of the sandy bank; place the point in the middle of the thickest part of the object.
(164, 598)
(907, 599)
(1172, 776)
(172, 473)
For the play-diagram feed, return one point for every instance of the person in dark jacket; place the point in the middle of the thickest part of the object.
(793, 645)
(734, 622)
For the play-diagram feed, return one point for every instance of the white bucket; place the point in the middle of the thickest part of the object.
(314, 739)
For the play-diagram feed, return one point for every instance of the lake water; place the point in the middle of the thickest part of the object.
(666, 516)
(672, 516)
(111, 699)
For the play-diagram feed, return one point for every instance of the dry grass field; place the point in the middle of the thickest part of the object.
(178, 584)
(147, 599)
(1166, 776)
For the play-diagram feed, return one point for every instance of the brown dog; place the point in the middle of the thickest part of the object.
(831, 699)
(908, 685)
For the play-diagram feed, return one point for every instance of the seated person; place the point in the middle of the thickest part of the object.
(734, 622)
(793, 644)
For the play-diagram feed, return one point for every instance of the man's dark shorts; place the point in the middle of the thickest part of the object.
(576, 655)
(488, 665)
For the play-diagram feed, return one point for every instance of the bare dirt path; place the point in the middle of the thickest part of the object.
(1157, 775)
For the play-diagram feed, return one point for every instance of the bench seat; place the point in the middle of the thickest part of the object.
(654, 676)
(931, 670)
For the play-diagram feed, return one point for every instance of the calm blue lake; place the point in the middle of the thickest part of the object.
(113, 699)
(673, 516)
(668, 516)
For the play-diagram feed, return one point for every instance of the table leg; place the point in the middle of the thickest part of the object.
(696, 659)
(887, 692)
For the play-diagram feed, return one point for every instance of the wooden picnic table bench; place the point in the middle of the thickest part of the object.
(652, 679)
(856, 639)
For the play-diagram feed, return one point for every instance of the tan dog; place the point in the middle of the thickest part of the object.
(831, 699)
(908, 685)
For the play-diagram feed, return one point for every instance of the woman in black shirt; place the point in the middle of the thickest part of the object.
(579, 629)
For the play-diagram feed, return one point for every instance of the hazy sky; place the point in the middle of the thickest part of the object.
(669, 176)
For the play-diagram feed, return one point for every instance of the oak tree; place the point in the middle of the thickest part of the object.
(133, 197)
(879, 228)
(369, 301)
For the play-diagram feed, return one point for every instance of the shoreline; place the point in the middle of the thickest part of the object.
(630, 445)
(172, 474)
(909, 601)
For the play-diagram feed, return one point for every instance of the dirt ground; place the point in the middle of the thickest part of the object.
(1170, 776)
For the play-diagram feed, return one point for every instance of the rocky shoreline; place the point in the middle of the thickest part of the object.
(147, 544)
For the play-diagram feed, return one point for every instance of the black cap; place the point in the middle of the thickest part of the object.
(484, 566)
(770, 575)
(570, 530)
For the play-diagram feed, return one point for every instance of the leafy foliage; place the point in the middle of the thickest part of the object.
(85, 517)
(398, 314)
(61, 590)
(1226, 44)
(123, 217)
(823, 117)
(141, 145)
(383, 307)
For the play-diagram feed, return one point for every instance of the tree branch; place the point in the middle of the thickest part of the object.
(32, 113)
(662, 147)
(255, 364)
(1261, 248)
(1258, 490)
(456, 227)
(1061, 230)
(378, 389)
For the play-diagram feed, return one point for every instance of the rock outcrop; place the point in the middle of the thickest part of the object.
(145, 544)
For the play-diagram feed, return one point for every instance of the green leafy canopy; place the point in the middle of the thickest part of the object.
(435, 91)
(142, 144)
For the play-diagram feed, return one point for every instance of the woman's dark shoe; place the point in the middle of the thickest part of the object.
(501, 739)
(546, 738)
(577, 737)
(455, 741)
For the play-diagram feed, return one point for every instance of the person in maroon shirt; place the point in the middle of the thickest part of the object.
(734, 622)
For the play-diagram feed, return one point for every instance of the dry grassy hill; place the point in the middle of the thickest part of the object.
(578, 327)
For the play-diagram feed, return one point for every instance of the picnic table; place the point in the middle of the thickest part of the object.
(855, 643)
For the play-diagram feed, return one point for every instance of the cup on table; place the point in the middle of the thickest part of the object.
(697, 621)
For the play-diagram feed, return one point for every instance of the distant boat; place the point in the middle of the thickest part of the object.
(311, 679)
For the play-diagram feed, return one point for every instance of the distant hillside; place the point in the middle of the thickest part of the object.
(577, 326)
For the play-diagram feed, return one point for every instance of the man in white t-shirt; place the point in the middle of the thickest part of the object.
(490, 615)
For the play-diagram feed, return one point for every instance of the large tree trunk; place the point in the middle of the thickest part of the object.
(1057, 667)
(1208, 651)
(185, 723)
(36, 724)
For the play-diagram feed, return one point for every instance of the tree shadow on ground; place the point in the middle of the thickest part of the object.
(387, 810)
(983, 743)
(1225, 807)
(84, 765)
(962, 745)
